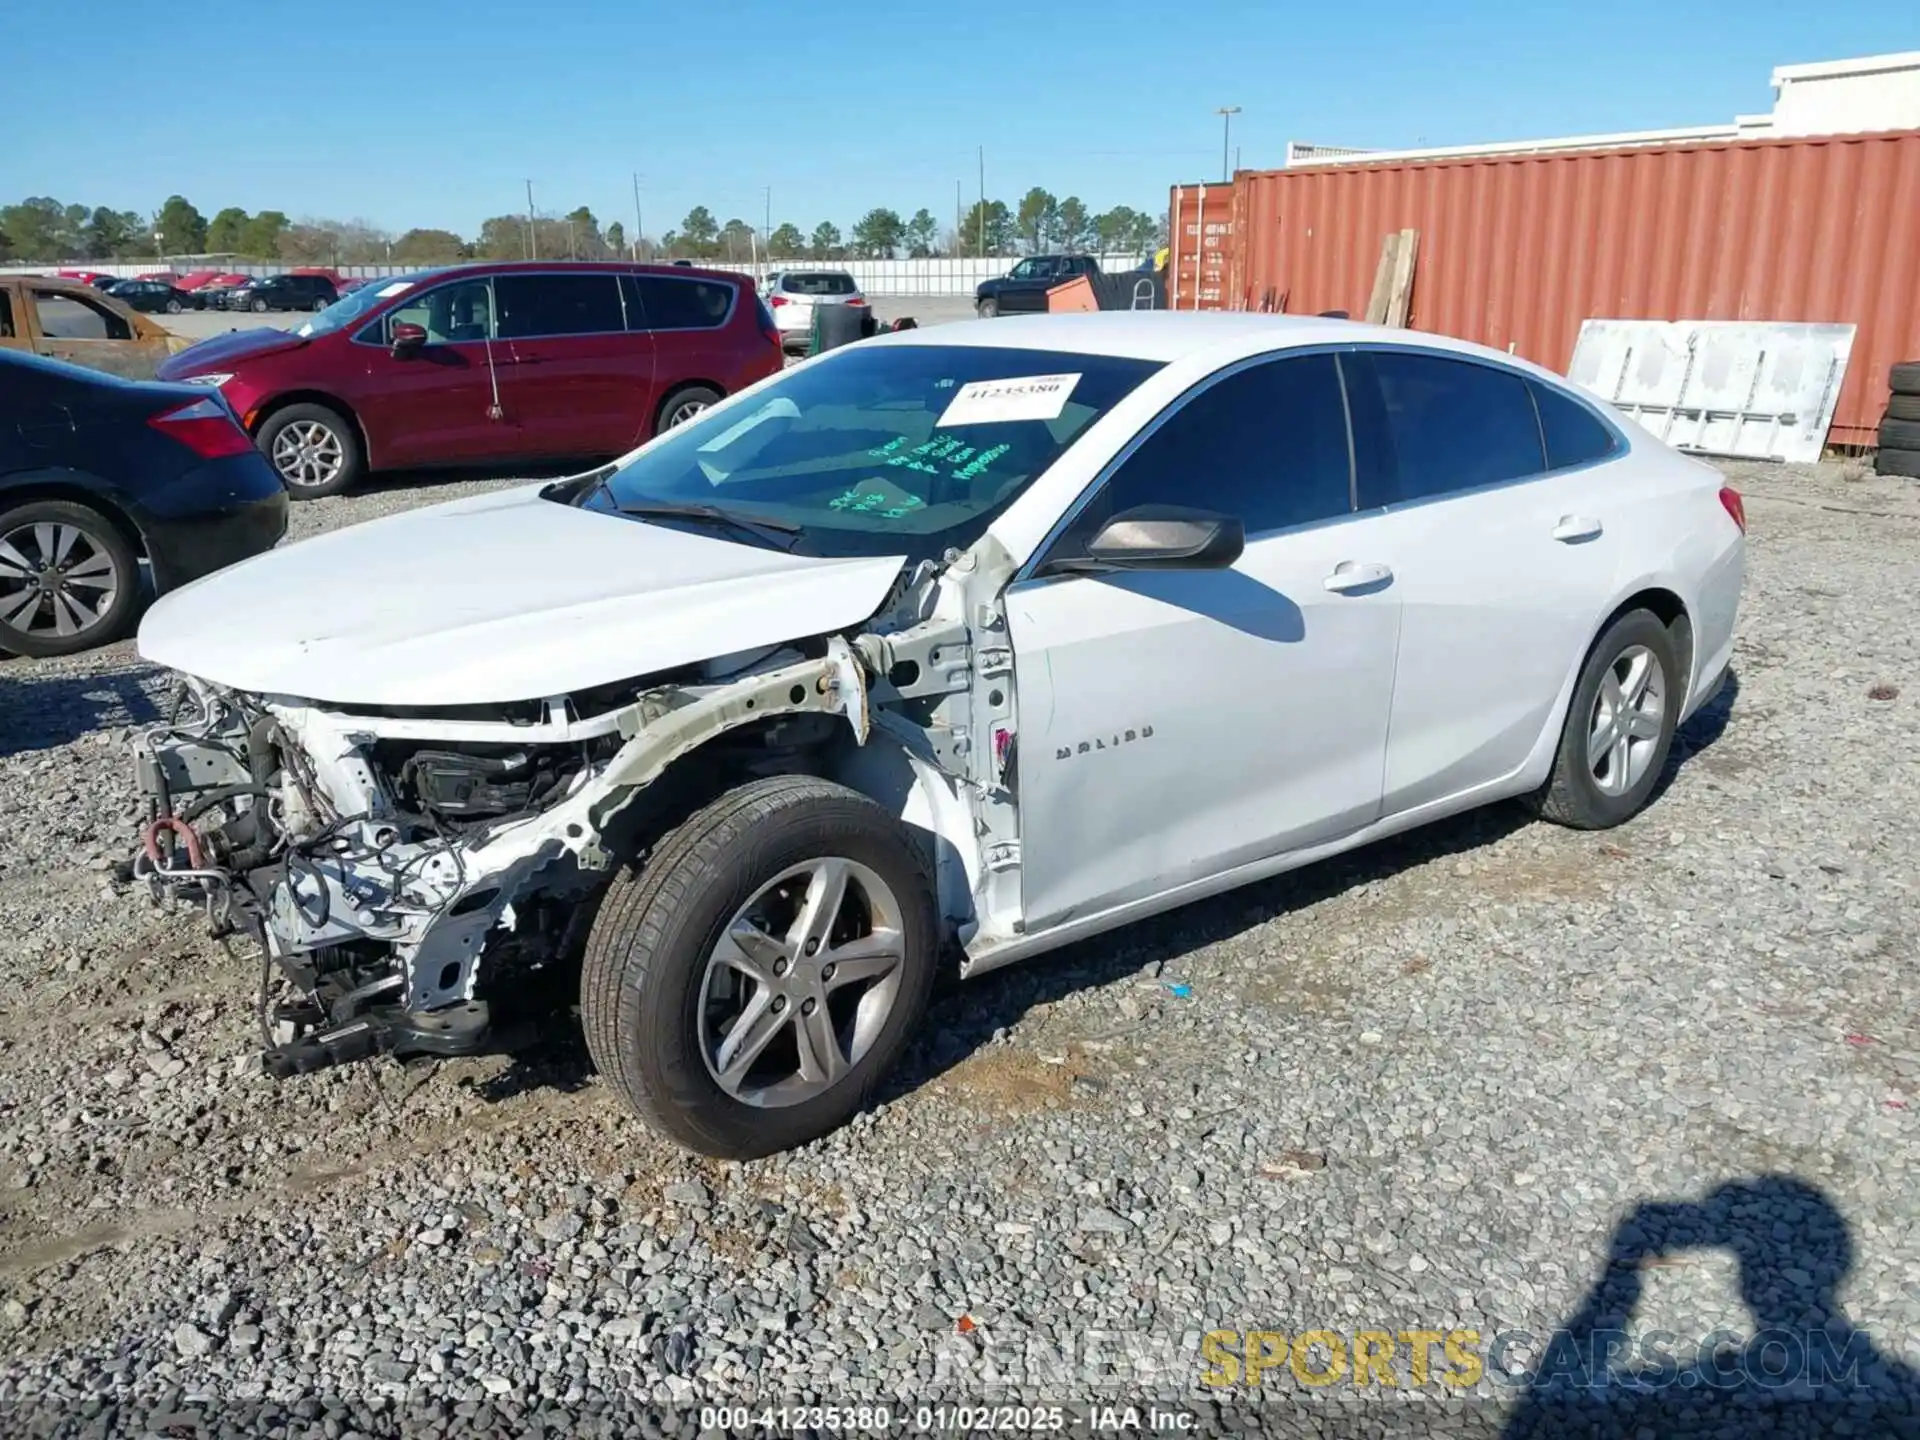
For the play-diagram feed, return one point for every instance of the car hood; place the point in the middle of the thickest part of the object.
(223, 350)
(500, 597)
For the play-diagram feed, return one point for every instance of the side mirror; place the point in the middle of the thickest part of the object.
(407, 338)
(1163, 537)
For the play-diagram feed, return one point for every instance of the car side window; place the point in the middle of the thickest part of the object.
(7, 332)
(1434, 425)
(1267, 445)
(1574, 434)
(659, 302)
(536, 305)
(67, 317)
(451, 314)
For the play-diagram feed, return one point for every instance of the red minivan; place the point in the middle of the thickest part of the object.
(481, 364)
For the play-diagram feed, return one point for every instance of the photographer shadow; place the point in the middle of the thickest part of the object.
(1804, 1371)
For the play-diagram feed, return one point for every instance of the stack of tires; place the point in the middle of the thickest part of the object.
(1900, 426)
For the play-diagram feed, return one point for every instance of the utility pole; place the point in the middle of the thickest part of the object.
(958, 237)
(638, 228)
(531, 246)
(983, 200)
(1226, 114)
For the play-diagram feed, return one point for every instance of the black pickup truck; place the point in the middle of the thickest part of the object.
(1023, 289)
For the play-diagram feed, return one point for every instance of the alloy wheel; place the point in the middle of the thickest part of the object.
(55, 580)
(307, 453)
(684, 412)
(1623, 733)
(801, 983)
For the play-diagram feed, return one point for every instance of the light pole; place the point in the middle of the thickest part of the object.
(1226, 114)
(638, 228)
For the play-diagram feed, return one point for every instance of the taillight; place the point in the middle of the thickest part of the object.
(1735, 506)
(856, 300)
(776, 301)
(205, 427)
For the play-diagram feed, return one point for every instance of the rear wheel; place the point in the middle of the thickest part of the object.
(683, 405)
(173, 307)
(1619, 726)
(68, 579)
(748, 988)
(315, 450)
(319, 303)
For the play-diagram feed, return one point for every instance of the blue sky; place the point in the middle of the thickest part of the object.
(435, 112)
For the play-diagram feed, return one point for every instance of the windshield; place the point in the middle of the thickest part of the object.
(881, 449)
(356, 304)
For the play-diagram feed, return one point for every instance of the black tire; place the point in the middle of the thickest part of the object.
(987, 308)
(1903, 407)
(320, 303)
(102, 538)
(682, 405)
(353, 460)
(1900, 434)
(174, 307)
(1572, 796)
(643, 974)
(259, 307)
(1904, 378)
(1905, 463)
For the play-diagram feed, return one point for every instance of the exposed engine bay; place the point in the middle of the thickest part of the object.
(422, 881)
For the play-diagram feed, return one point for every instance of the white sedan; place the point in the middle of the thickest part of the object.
(963, 642)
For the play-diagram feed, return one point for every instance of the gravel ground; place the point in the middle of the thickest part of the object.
(1428, 1086)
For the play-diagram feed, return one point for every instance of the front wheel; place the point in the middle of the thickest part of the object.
(315, 450)
(259, 307)
(173, 307)
(988, 308)
(1619, 726)
(750, 985)
(68, 579)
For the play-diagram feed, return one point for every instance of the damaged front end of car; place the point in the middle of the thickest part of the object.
(418, 879)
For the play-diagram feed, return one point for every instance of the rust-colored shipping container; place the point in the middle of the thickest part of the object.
(1200, 247)
(1517, 250)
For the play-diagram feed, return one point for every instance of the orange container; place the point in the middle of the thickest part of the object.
(1517, 250)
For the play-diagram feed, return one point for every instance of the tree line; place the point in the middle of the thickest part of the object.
(40, 229)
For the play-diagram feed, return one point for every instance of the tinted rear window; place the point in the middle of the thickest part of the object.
(536, 305)
(667, 303)
(1450, 425)
(819, 285)
(1573, 433)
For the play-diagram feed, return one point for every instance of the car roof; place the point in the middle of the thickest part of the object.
(1169, 335)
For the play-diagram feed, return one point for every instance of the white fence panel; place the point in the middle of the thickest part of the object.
(945, 275)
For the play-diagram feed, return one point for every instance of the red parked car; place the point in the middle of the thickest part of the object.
(480, 364)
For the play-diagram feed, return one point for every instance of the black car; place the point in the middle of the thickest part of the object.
(285, 292)
(98, 472)
(1023, 289)
(153, 296)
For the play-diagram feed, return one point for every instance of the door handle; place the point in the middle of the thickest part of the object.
(1572, 529)
(1348, 576)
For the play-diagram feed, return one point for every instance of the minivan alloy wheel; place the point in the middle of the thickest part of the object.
(55, 580)
(801, 982)
(1623, 733)
(307, 453)
(683, 411)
